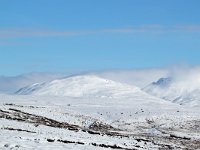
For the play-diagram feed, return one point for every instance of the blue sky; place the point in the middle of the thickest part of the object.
(71, 35)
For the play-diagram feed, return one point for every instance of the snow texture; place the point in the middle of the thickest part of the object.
(90, 112)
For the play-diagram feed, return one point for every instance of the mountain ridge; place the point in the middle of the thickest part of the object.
(177, 91)
(79, 86)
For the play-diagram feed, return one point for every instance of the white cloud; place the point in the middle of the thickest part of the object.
(12, 84)
(19, 32)
(137, 77)
(184, 77)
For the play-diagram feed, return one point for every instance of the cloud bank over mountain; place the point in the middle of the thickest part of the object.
(184, 77)
(182, 86)
(9, 84)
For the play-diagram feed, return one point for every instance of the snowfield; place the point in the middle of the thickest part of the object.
(89, 112)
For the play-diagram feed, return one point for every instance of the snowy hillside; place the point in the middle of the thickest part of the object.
(182, 91)
(81, 86)
(9, 84)
(89, 112)
(134, 123)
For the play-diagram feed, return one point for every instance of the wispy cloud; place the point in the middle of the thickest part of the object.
(188, 28)
(12, 33)
(151, 28)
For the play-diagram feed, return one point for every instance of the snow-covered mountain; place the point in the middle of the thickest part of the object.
(9, 84)
(81, 86)
(181, 91)
(90, 112)
(136, 77)
(137, 122)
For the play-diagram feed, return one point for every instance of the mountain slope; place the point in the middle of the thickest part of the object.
(80, 86)
(9, 84)
(184, 92)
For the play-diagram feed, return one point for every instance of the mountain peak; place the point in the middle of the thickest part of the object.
(80, 86)
(181, 91)
(163, 82)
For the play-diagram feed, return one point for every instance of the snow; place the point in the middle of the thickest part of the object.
(184, 92)
(80, 86)
(10, 84)
(39, 115)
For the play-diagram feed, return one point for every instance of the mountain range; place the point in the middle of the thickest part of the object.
(88, 85)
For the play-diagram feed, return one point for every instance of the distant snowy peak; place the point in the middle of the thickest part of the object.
(178, 91)
(163, 82)
(162, 88)
(30, 89)
(80, 86)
